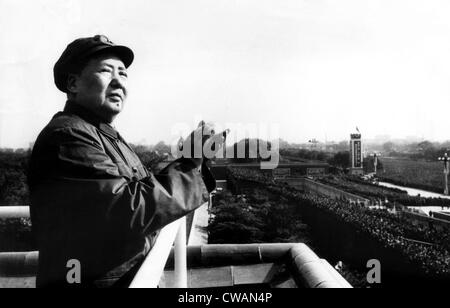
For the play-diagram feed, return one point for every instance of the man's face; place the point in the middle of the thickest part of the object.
(102, 86)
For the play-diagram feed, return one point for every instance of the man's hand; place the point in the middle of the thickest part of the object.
(203, 143)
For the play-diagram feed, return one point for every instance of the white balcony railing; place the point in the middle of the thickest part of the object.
(7, 212)
(307, 267)
(152, 268)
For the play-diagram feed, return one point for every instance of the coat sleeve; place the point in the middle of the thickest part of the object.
(88, 188)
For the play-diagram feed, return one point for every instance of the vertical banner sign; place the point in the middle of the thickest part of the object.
(357, 153)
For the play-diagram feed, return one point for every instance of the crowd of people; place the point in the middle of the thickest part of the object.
(428, 248)
(375, 192)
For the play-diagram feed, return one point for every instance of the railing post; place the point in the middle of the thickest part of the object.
(181, 256)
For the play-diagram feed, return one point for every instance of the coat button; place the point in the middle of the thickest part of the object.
(134, 169)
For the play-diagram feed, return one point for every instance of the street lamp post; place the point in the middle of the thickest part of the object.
(445, 159)
(375, 161)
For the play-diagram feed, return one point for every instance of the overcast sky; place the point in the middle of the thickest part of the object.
(316, 68)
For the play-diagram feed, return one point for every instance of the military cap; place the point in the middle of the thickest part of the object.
(80, 51)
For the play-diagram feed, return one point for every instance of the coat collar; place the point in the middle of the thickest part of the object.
(88, 116)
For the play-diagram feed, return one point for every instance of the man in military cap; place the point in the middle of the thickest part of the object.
(92, 200)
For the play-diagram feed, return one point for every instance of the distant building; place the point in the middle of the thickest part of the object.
(283, 170)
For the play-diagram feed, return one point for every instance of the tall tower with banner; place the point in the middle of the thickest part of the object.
(356, 155)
